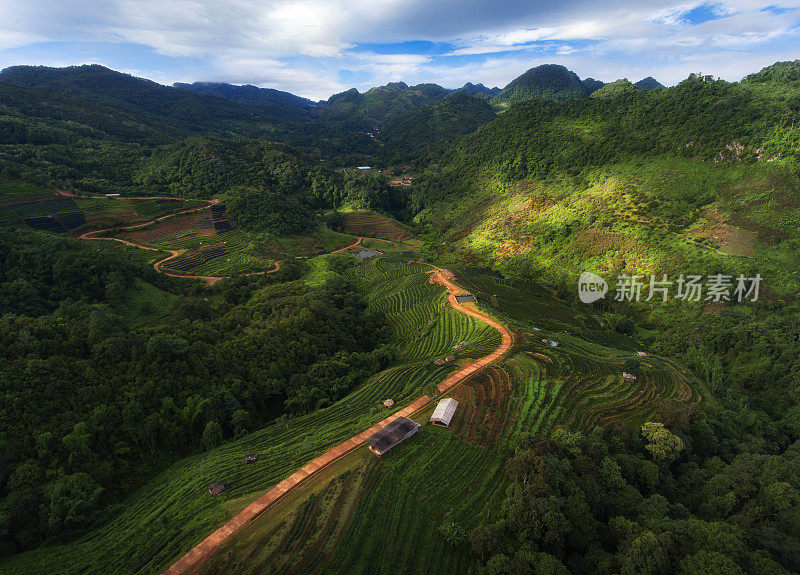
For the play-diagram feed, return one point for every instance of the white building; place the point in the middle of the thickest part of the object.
(444, 412)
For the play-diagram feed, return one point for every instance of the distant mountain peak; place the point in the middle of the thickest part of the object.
(548, 81)
(648, 83)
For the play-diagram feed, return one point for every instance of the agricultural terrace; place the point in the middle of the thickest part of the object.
(203, 243)
(41, 209)
(366, 223)
(362, 511)
(172, 512)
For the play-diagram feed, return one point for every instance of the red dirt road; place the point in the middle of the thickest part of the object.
(210, 280)
(345, 248)
(195, 557)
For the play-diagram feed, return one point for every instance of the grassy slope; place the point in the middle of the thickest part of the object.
(145, 304)
(660, 215)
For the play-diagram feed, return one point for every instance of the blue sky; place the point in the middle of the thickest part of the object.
(315, 48)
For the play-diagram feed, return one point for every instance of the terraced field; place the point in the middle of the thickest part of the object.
(42, 209)
(486, 410)
(365, 223)
(369, 509)
(173, 511)
(362, 515)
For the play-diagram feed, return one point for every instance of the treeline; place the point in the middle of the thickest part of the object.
(91, 408)
(538, 139)
(696, 496)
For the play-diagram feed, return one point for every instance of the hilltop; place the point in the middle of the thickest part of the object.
(548, 81)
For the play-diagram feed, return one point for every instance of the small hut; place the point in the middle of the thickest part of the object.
(398, 430)
(216, 488)
(252, 458)
(450, 358)
(466, 298)
(443, 413)
(388, 403)
(628, 376)
(439, 361)
(641, 353)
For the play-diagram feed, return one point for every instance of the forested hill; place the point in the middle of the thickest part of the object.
(380, 103)
(697, 118)
(690, 177)
(548, 81)
(282, 104)
(177, 108)
(422, 134)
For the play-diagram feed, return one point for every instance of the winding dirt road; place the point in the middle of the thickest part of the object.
(192, 560)
(210, 280)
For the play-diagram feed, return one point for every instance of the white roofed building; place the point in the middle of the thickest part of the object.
(444, 412)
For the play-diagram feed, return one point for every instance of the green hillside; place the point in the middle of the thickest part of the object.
(548, 82)
(424, 133)
(652, 436)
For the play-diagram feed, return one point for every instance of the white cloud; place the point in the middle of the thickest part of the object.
(302, 45)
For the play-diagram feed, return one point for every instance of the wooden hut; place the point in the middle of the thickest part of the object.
(216, 488)
(388, 403)
(251, 458)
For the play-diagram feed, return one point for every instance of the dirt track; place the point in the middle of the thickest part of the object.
(192, 560)
(210, 280)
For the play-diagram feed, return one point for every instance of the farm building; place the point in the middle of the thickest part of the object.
(366, 254)
(641, 353)
(398, 430)
(466, 298)
(388, 403)
(216, 488)
(628, 376)
(440, 361)
(252, 458)
(444, 412)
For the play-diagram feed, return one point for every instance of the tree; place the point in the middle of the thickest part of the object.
(74, 501)
(663, 445)
(710, 563)
(645, 556)
(483, 540)
(453, 533)
(212, 435)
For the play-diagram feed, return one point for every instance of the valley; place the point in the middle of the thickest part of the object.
(214, 295)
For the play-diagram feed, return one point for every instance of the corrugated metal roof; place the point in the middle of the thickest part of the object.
(444, 411)
(392, 433)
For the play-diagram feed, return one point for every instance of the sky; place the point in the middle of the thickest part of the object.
(315, 48)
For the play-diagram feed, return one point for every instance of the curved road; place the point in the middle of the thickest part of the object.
(93, 235)
(195, 556)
